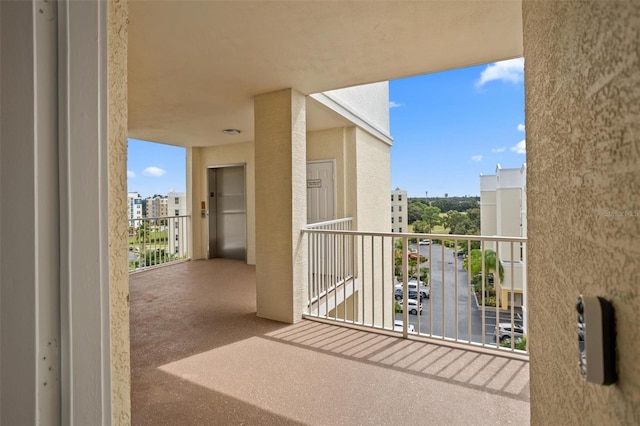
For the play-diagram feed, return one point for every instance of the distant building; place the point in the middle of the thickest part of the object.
(399, 211)
(135, 208)
(157, 206)
(178, 226)
(503, 212)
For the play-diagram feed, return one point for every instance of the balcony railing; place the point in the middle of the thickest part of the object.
(156, 241)
(458, 292)
(329, 268)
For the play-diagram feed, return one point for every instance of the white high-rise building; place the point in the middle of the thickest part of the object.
(178, 226)
(503, 212)
(135, 208)
(399, 211)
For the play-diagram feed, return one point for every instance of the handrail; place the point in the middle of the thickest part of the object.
(328, 223)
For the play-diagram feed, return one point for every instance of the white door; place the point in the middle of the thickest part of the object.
(321, 194)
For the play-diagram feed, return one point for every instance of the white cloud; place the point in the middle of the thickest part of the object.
(153, 171)
(511, 71)
(130, 174)
(393, 104)
(521, 147)
(503, 149)
(521, 127)
(476, 158)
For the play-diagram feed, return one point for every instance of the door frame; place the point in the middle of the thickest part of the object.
(246, 215)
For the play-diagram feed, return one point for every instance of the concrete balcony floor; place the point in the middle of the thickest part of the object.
(200, 356)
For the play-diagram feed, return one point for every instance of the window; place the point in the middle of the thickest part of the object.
(399, 197)
(391, 209)
(177, 200)
(177, 212)
(177, 237)
(391, 197)
(177, 225)
(400, 219)
(176, 250)
(399, 229)
(399, 208)
(392, 219)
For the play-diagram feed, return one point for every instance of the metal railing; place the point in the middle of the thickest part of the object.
(155, 241)
(329, 268)
(462, 289)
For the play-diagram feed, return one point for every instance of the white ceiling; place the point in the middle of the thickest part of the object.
(195, 66)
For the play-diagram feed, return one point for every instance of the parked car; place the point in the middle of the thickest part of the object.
(425, 292)
(413, 305)
(397, 326)
(424, 242)
(504, 331)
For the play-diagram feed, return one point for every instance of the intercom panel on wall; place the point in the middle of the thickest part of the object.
(597, 340)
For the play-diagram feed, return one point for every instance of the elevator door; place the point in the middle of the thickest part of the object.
(227, 213)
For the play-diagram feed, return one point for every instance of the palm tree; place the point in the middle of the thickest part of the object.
(489, 264)
(143, 232)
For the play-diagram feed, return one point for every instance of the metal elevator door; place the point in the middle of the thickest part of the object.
(227, 213)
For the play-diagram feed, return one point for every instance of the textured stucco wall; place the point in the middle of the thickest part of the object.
(281, 204)
(488, 224)
(373, 213)
(223, 155)
(582, 79)
(118, 230)
(373, 182)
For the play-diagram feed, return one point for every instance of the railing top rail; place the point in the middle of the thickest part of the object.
(160, 217)
(328, 223)
(420, 236)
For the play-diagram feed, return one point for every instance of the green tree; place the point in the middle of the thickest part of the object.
(414, 210)
(420, 227)
(489, 264)
(474, 216)
(424, 274)
(431, 216)
(143, 233)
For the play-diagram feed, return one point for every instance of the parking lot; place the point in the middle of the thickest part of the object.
(450, 299)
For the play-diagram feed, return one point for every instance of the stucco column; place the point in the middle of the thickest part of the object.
(281, 204)
(197, 248)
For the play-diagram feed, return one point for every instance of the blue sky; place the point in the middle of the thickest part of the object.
(154, 168)
(447, 127)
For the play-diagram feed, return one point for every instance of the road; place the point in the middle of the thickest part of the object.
(443, 294)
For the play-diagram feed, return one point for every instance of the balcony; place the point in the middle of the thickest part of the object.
(199, 355)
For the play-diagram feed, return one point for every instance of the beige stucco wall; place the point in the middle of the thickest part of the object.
(488, 221)
(582, 84)
(118, 271)
(373, 212)
(373, 182)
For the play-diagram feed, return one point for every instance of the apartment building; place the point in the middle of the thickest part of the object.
(78, 78)
(503, 213)
(399, 211)
(156, 206)
(135, 208)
